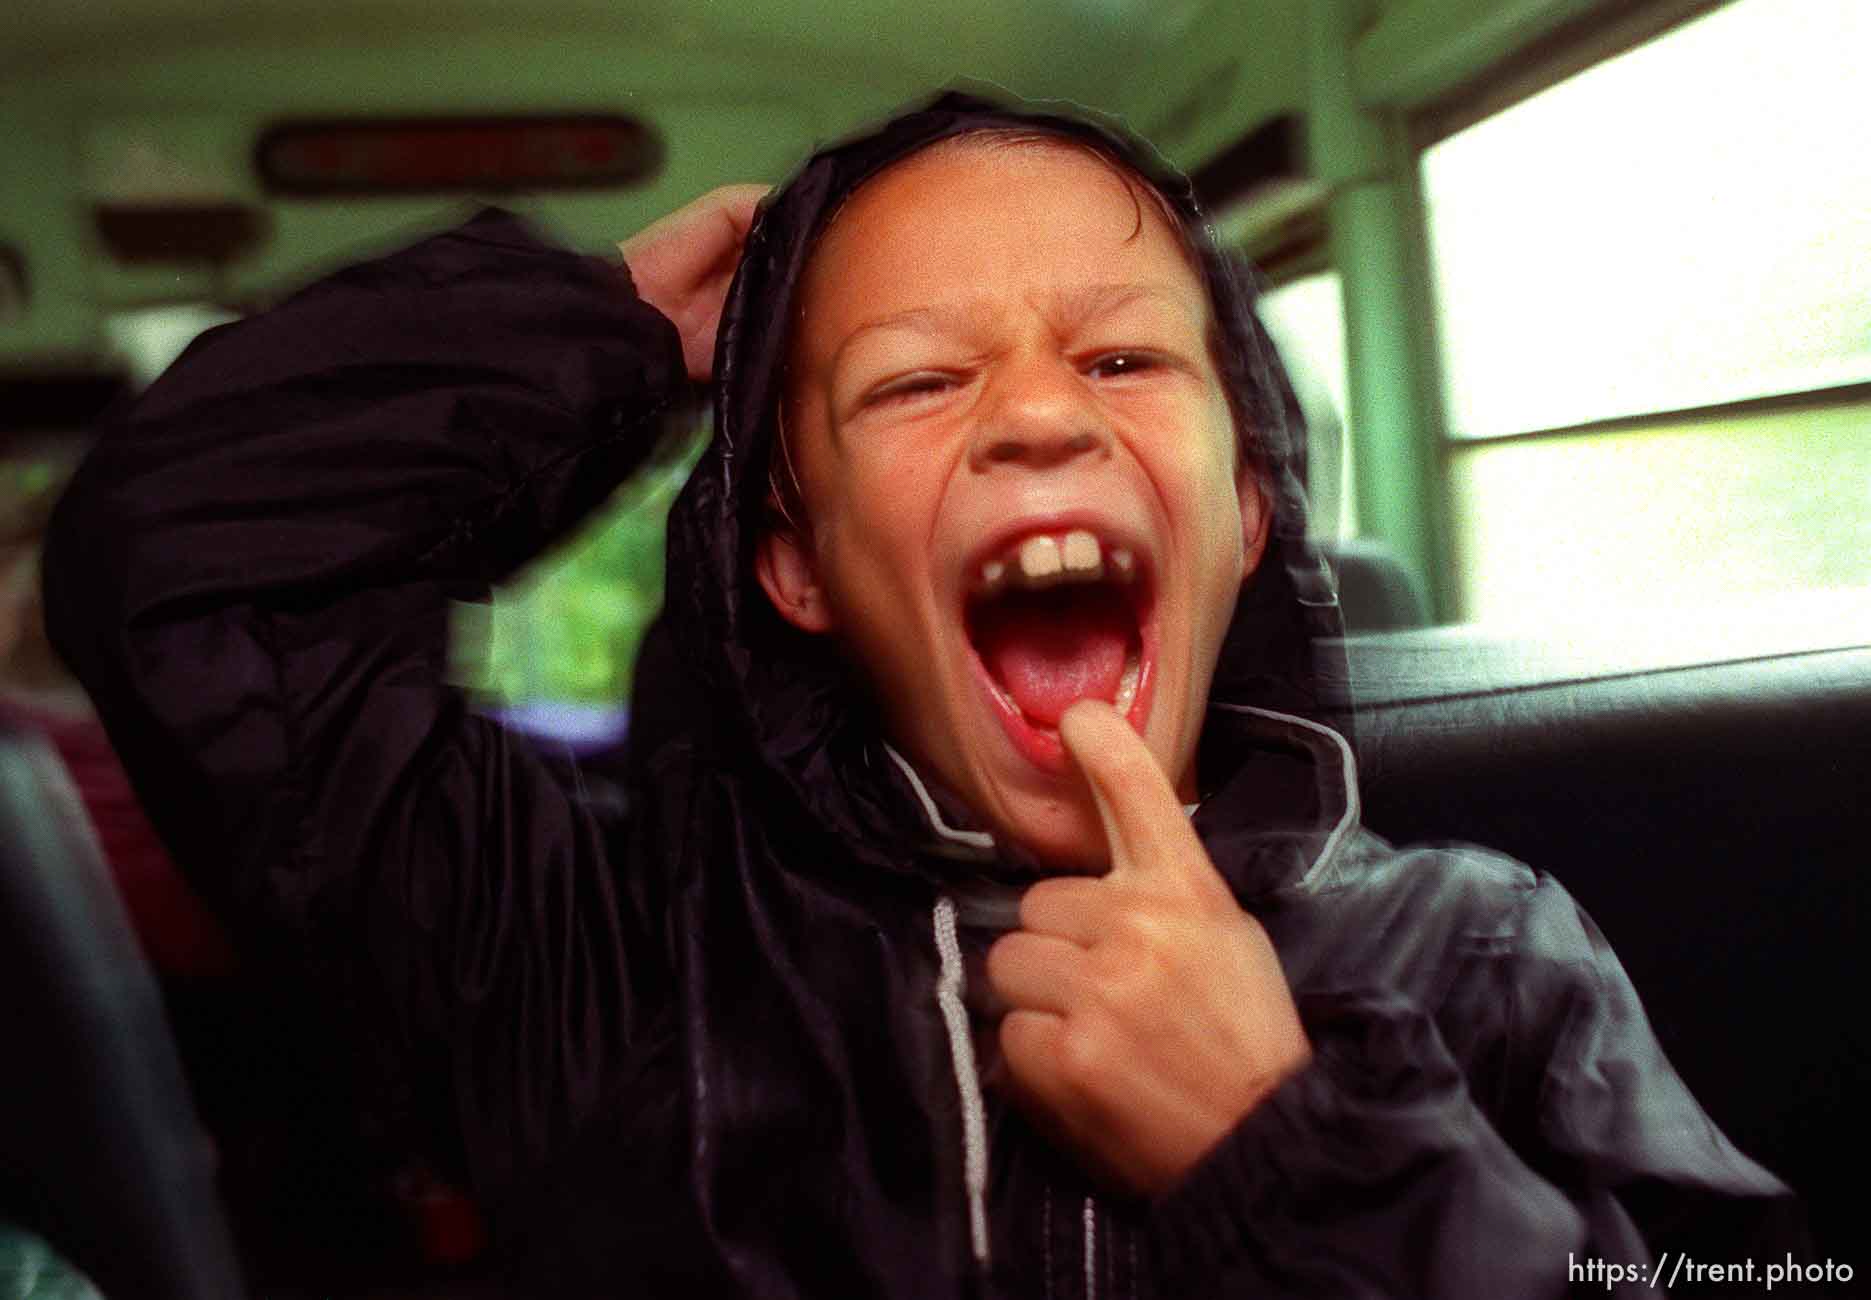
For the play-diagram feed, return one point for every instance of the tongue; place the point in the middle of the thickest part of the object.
(1049, 649)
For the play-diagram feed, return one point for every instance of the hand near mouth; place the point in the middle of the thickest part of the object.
(1148, 1011)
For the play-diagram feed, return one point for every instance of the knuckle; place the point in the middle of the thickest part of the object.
(1085, 1054)
(1140, 932)
(1000, 956)
(1025, 1040)
(1131, 985)
(1037, 902)
(1051, 899)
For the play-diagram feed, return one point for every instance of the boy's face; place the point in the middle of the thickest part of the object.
(1018, 473)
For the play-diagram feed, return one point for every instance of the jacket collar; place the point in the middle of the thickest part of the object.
(1281, 816)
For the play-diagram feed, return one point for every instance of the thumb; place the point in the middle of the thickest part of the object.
(1144, 823)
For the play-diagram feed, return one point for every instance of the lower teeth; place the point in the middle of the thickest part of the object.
(1127, 684)
(1126, 691)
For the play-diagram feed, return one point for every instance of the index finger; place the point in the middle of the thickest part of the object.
(1144, 822)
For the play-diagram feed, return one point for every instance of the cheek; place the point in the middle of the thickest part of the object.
(892, 497)
(1205, 466)
(1223, 542)
(873, 540)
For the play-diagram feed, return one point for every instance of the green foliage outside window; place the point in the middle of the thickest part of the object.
(566, 630)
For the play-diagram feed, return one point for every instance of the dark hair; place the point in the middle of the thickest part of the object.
(784, 496)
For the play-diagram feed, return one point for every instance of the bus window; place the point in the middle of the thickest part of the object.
(1655, 316)
(1306, 318)
(148, 339)
(554, 649)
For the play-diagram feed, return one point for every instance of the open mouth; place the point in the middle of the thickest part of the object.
(1054, 618)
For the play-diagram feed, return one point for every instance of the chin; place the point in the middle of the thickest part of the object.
(1064, 838)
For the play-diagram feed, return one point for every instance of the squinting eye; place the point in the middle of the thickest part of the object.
(1115, 364)
(909, 389)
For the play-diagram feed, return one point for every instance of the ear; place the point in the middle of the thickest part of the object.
(787, 574)
(1256, 520)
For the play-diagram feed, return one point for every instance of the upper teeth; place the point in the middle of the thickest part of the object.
(1045, 560)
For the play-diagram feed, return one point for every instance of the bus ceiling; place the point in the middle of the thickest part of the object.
(145, 139)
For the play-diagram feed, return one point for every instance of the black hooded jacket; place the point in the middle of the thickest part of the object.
(715, 1041)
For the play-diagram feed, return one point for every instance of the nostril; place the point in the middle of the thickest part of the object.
(1005, 450)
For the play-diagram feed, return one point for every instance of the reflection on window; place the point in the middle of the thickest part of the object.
(1682, 226)
(1306, 318)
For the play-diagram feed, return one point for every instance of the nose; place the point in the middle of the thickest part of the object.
(1039, 415)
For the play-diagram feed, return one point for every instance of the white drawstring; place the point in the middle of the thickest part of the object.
(1348, 769)
(950, 986)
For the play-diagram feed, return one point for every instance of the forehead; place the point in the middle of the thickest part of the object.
(970, 220)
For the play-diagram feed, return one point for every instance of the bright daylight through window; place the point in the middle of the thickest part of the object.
(1656, 271)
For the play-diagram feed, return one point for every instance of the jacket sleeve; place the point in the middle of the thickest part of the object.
(1553, 1153)
(252, 575)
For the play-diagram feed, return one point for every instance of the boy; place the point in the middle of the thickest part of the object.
(910, 971)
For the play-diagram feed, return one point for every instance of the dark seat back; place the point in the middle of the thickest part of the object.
(1376, 591)
(100, 1149)
(1712, 820)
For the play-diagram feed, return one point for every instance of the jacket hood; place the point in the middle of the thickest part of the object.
(786, 693)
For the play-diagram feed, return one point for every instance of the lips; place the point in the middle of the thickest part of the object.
(1055, 611)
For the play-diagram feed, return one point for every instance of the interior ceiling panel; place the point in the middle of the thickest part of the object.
(1153, 62)
(149, 103)
(1002, 38)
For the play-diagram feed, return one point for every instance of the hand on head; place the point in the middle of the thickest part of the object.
(1149, 1013)
(683, 264)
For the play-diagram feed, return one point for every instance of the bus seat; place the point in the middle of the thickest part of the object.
(1710, 816)
(101, 1149)
(1376, 592)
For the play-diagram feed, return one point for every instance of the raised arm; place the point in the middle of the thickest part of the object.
(252, 575)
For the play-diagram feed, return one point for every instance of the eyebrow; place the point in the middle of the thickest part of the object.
(1077, 306)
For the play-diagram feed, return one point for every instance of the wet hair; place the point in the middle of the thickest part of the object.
(785, 496)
